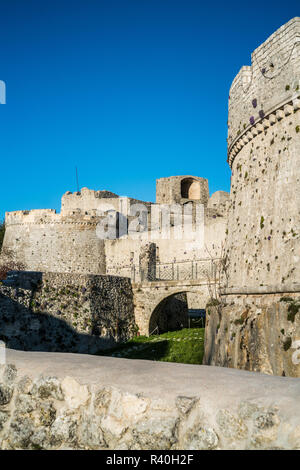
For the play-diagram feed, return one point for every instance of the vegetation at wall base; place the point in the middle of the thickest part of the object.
(184, 346)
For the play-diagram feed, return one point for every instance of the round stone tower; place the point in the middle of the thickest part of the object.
(257, 329)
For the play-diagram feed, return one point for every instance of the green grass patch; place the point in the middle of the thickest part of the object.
(185, 346)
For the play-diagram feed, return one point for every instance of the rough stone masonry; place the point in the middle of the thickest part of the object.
(74, 401)
(65, 312)
(43, 240)
(257, 324)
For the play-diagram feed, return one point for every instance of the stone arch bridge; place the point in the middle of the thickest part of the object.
(150, 297)
(164, 292)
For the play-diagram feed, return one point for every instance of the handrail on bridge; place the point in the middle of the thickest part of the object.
(171, 271)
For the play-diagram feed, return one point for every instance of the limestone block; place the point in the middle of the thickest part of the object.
(288, 109)
(74, 393)
(296, 104)
(280, 114)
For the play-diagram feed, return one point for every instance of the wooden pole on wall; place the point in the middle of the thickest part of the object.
(77, 180)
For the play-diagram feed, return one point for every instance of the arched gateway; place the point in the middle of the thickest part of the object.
(165, 304)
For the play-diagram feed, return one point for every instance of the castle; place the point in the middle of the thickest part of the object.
(254, 320)
(43, 240)
(106, 266)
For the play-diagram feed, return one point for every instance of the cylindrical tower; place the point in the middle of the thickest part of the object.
(41, 240)
(264, 155)
(259, 326)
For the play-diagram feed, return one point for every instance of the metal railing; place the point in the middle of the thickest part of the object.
(177, 271)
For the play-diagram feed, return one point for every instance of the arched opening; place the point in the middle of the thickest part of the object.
(190, 189)
(197, 309)
(170, 314)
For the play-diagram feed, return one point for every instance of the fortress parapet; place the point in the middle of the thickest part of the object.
(268, 90)
(91, 203)
(33, 216)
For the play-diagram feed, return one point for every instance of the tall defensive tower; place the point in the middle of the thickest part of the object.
(263, 242)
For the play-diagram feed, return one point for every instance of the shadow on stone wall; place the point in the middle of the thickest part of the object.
(170, 314)
(63, 312)
(23, 329)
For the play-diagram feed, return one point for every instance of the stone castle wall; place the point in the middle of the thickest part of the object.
(263, 227)
(264, 221)
(65, 312)
(255, 332)
(42, 240)
(45, 241)
(123, 253)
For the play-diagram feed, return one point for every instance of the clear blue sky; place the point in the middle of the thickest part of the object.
(127, 90)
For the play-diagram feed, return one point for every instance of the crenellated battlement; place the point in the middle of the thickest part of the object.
(32, 216)
(85, 202)
(71, 241)
(49, 217)
(88, 202)
(81, 208)
(270, 84)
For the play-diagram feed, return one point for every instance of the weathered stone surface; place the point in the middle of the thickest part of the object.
(20, 431)
(247, 409)
(70, 241)
(65, 312)
(201, 438)
(6, 392)
(64, 429)
(25, 403)
(90, 432)
(73, 401)
(3, 418)
(255, 334)
(74, 393)
(45, 387)
(46, 413)
(185, 404)
(230, 426)
(294, 438)
(156, 433)
(252, 329)
(9, 373)
(25, 385)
